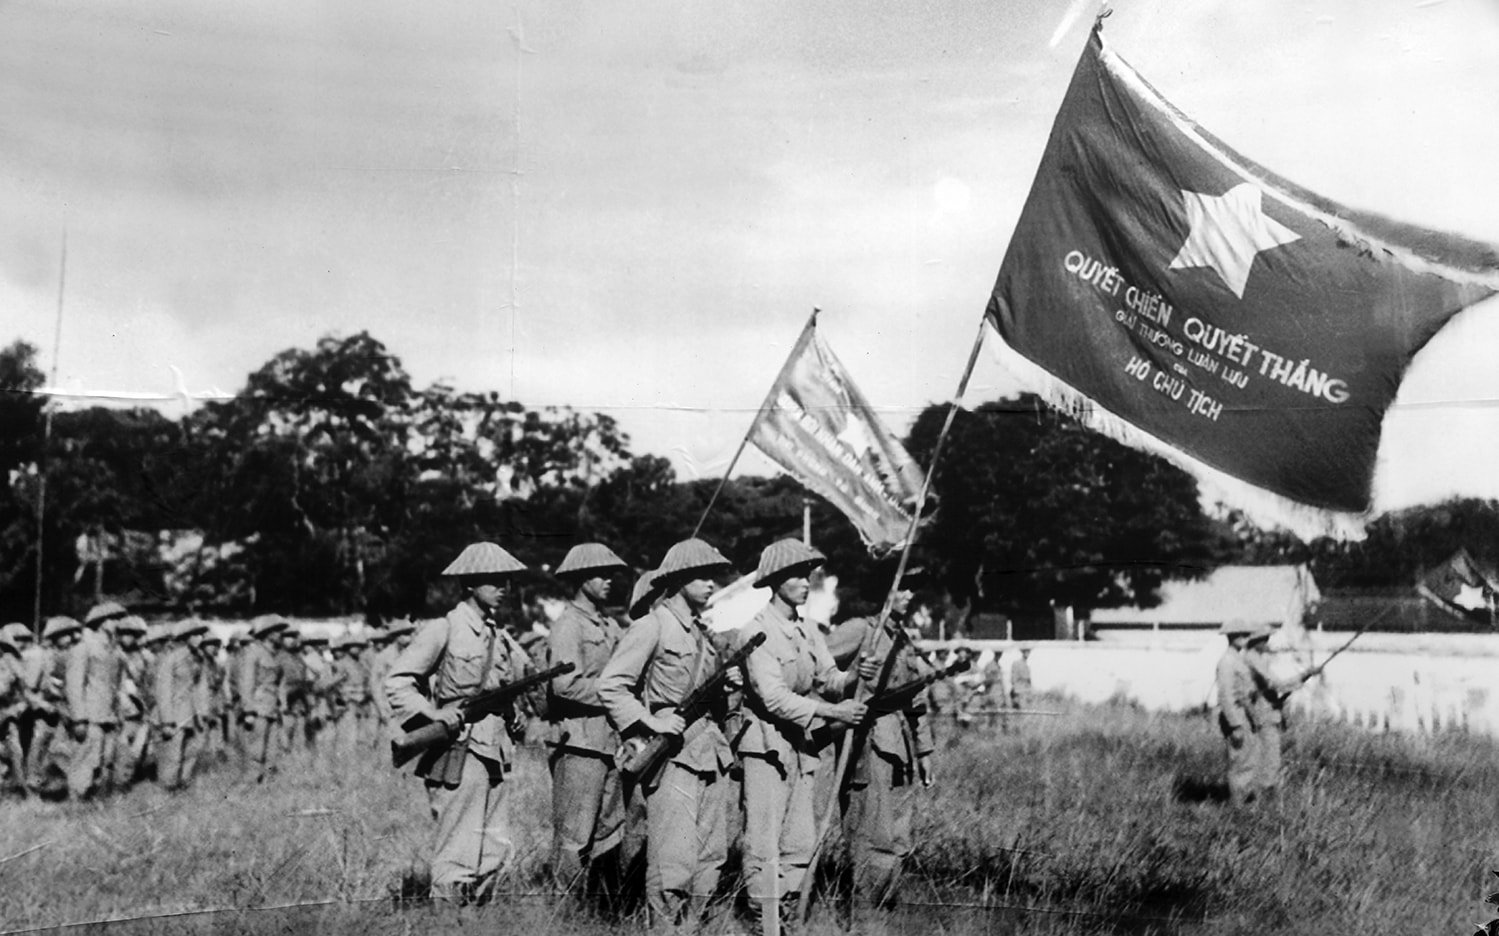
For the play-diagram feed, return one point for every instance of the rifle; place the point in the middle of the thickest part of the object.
(899, 698)
(418, 733)
(643, 758)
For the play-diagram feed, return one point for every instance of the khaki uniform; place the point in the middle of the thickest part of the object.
(94, 669)
(12, 709)
(1238, 715)
(348, 700)
(43, 672)
(295, 701)
(177, 715)
(459, 656)
(881, 801)
(779, 751)
(1270, 718)
(212, 704)
(660, 659)
(135, 707)
(587, 800)
(380, 667)
(259, 694)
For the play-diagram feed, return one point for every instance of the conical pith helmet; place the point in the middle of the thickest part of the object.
(644, 594)
(589, 557)
(59, 625)
(130, 624)
(17, 633)
(484, 559)
(267, 624)
(192, 627)
(104, 611)
(157, 633)
(690, 555)
(784, 558)
(1236, 626)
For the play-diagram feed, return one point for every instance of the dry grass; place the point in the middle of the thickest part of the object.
(1106, 820)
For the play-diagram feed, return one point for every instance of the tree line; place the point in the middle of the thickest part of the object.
(330, 484)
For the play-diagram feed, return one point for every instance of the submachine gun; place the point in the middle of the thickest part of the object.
(418, 733)
(643, 757)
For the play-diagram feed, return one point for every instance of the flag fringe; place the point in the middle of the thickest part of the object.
(1266, 508)
(1487, 278)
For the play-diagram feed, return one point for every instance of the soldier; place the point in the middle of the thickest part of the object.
(792, 688)
(896, 756)
(457, 657)
(259, 681)
(233, 739)
(95, 668)
(1271, 693)
(134, 705)
(50, 702)
(1238, 713)
(178, 673)
(12, 709)
(348, 692)
(587, 803)
(392, 641)
(316, 655)
(212, 698)
(661, 659)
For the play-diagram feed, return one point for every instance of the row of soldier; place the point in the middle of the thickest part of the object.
(765, 743)
(98, 704)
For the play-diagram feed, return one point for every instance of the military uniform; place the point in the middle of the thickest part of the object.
(660, 659)
(881, 801)
(46, 672)
(95, 668)
(178, 674)
(1238, 717)
(348, 694)
(259, 682)
(12, 708)
(134, 702)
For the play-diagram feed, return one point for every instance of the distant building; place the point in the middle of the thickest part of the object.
(1285, 595)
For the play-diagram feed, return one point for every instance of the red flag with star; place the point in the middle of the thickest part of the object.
(1184, 299)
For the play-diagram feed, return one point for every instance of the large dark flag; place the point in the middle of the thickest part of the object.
(1186, 300)
(818, 426)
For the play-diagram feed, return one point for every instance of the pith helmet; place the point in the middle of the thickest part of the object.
(1261, 632)
(189, 628)
(104, 611)
(589, 557)
(319, 640)
(644, 594)
(356, 640)
(786, 558)
(398, 629)
(130, 624)
(690, 555)
(157, 633)
(60, 625)
(17, 633)
(7, 645)
(267, 624)
(211, 638)
(484, 559)
(1236, 626)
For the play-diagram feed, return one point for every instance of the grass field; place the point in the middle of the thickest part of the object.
(1104, 820)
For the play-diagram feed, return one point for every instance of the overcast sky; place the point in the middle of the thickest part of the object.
(633, 207)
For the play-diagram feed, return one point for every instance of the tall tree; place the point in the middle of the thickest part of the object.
(1035, 510)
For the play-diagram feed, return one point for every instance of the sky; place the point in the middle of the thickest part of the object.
(633, 208)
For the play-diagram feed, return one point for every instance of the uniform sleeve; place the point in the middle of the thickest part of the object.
(768, 684)
(826, 676)
(415, 663)
(163, 682)
(845, 640)
(564, 645)
(617, 682)
(74, 677)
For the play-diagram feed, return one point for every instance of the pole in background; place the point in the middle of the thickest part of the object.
(41, 490)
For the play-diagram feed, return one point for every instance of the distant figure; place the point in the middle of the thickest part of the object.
(95, 669)
(1271, 695)
(178, 673)
(259, 681)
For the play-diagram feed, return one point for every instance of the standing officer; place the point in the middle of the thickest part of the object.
(587, 802)
(178, 721)
(791, 680)
(661, 659)
(94, 671)
(135, 722)
(1238, 712)
(456, 658)
(259, 681)
(896, 756)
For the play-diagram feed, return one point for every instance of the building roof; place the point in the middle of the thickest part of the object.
(1272, 594)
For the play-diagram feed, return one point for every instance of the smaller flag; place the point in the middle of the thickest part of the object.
(818, 426)
(1461, 587)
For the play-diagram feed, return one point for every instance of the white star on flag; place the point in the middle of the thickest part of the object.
(1227, 232)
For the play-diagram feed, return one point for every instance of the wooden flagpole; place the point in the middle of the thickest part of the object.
(849, 753)
(775, 387)
(41, 489)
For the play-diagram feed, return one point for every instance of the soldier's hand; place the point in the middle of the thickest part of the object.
(451, 717)
(79, 731)
(869, 667)
(848, 711)
(1236, 739)
(734, 677)
(925, 771)
(665, 722)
